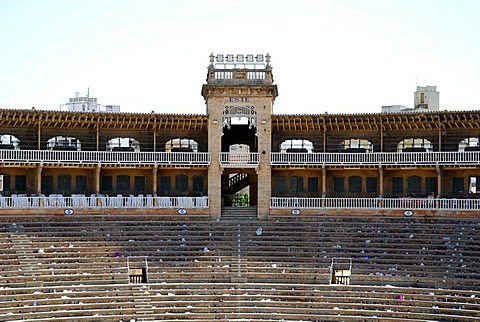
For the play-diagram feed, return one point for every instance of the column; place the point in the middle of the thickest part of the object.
(381, 186)
(97, 136)
(380, 176)
(264, 192)
(324, 185)
(154, 180)
(214, 177)
(439, 181)
(38, 181)
(39, 135)
(97, 179)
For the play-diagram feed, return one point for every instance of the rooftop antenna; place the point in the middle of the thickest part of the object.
(88, 92)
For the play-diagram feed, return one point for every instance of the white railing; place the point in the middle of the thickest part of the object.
(38, 156)
(376, 203)
(404, 158)
(255, 75)
(80, 201)
(239, 159)
(223, 75)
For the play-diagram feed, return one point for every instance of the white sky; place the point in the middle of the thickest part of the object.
(327, 55)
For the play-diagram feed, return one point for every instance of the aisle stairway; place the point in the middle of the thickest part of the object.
(142, 301)
(22, 245)
(239, 213)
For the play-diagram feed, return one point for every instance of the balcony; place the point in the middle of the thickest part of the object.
(239, 159)
(94, 202)
(105, 157)
(376, 158)
(376, 203)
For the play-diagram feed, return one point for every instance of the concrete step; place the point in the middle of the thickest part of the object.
(238, 279)
(141, 300)
(239, 213)
(34, 284)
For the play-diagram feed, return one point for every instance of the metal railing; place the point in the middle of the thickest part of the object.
(239, 159)
(80, 201)
(39, 156)
(403, 158)
(376, 203)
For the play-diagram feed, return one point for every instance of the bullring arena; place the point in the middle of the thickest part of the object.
(239, 214)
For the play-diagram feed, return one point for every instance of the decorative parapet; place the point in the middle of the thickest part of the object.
(240, 69)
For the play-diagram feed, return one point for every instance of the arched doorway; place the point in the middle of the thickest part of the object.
(64, 143)
(415, 145)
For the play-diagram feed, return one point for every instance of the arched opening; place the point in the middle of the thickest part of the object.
(239, 134)
(181, 145)
(9, 142)
(468, 145)
(64, 143)
(120, 144)
(355, 146)
(296, 146)
(415, 145)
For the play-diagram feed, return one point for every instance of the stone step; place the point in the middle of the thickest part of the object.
(18, 236)
(34, 284)
(142, 300)
(238, 279)
(239, 267)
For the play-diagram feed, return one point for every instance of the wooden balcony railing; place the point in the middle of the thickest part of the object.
(48, 156)
(377, 203)
(239, 159)
(405, 158)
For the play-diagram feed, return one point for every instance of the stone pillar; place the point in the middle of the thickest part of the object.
(214, 178)
(215, 187)
(264, 171)
(264, 187)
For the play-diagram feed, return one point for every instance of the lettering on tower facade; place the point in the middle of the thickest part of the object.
(238, 99)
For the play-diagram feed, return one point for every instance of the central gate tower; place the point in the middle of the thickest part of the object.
(239, 97)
